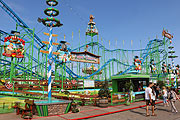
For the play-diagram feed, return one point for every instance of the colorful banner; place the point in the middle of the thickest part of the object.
(84, 58)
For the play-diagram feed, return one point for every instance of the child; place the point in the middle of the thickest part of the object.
(164, 92)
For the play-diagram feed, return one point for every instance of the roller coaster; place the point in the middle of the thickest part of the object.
(34, 64)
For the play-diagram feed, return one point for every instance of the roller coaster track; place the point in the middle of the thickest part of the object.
(70, 72)
(19, 67)
(109, 50)
(146, 50)
(145, 54)
(20, 22)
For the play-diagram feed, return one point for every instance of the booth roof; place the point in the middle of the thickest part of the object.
(129, 76)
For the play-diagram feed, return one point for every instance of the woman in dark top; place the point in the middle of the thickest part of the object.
(156, 87)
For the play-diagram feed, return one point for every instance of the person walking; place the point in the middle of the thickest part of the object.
(157, 91)
(153, 97)
(148, 98)
(164, 95)
(172, 98)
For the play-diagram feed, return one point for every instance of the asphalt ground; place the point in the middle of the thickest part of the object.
(135, 113)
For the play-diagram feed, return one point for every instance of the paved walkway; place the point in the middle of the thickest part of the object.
(86, 112)
(135, 111)
(163, 113)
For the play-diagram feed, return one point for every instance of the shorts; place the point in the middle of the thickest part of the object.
(148, 102)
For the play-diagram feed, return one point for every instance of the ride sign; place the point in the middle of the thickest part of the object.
(85, 57)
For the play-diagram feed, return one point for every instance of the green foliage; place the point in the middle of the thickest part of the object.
(104, 91)
(74, 107)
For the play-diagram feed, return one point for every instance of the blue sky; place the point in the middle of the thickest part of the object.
(115, 19)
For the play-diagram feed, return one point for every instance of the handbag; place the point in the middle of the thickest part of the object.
(171, 96)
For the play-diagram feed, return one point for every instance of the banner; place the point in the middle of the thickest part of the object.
(85, 57)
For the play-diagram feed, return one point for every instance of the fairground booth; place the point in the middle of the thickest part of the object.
(136, 82)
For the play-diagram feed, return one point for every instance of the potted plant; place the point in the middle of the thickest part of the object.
(103, 95)
(74, 107)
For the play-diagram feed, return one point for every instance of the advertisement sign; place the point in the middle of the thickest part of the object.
(85, 57)
(88, 83)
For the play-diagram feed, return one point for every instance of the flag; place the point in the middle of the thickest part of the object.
(79, 33)
(72, 35)
(116, 43)
(131, 43)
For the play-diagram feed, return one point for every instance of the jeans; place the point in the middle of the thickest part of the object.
(164, 99)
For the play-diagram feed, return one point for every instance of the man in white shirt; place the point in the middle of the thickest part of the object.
(148, 97)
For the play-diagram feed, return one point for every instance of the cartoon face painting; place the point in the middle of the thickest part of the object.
(13, 46)
(137, 63)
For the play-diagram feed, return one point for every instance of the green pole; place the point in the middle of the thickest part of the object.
(120, 60)
(117, 57)
(32, 53)
(15, 70)
(109, 70)
(24, 64)
(4, 72)
(62, 76)
(98, 55)
(29, 59)
(65, 71)
(102, 60)
(123, 57)
(38, 71)
(104, 63)
(12, 70)
(42, 65)
(56, 71)
(127, 58)
(112, 66)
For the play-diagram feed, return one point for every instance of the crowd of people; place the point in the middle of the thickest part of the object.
(152, 93)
